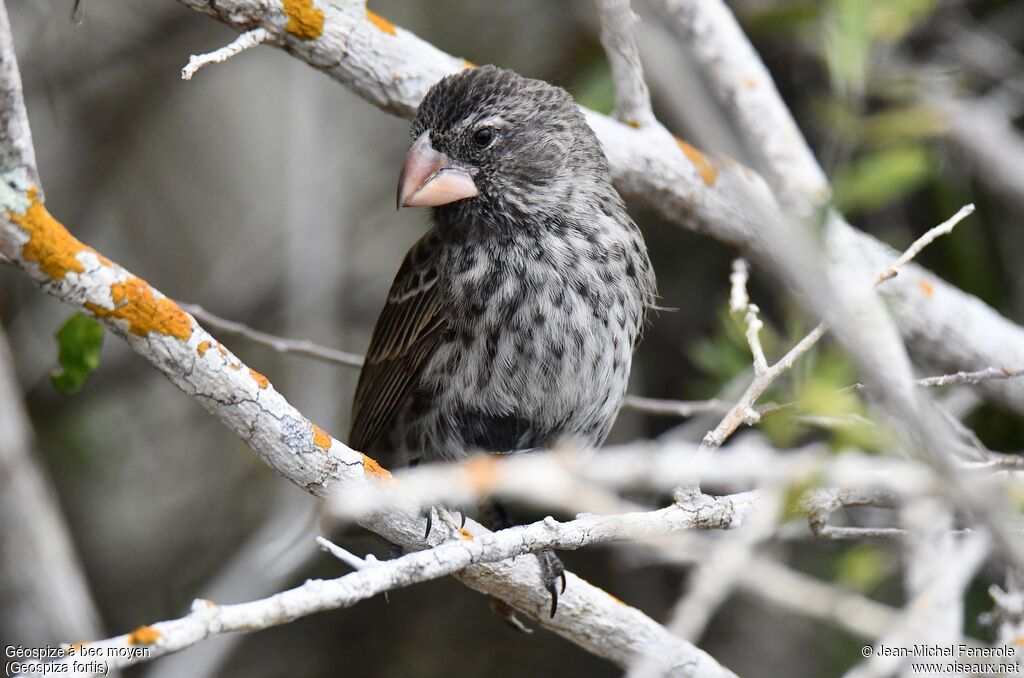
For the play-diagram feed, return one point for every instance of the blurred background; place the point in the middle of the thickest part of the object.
(265, 192)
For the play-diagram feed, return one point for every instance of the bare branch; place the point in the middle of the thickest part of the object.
(244, 41)
(463, 548)
(301, 347)
(618, 37)
(746, 90)
(743, 411)
(945, 228)
(675, 408)
(973, 378)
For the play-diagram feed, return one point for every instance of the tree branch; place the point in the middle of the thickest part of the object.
(300, 347)
(618, 37)
(462, 549)
(247, 40)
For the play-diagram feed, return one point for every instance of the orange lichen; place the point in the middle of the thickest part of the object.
(135, 301)
(261, 381)
(374, 470)
(926, 287)
(223, 351)
(483, 473)
(235, 366)
(635, 124)
(304, 20)
(144, 635)
(203, 348)
(466, 63)
(465, 534)
(380, 22)
(50, 244)
(321, 438)
(707, 169)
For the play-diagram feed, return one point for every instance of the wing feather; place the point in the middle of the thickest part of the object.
(407, 334)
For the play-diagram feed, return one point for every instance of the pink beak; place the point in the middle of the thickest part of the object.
(429, 178)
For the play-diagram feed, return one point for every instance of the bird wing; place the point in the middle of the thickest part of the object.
(407, 333)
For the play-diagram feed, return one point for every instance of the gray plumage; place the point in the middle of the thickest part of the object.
(512, 322)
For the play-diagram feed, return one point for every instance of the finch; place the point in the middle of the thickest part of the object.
(511, 323)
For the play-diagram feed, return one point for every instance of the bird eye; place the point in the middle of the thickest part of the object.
(483, 137)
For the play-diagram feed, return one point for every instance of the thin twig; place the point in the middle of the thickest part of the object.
(256, 36)
(972, 378)
(743, 411)
(350, 559)
(301, 347)
(675, 408)
(738, 297)
(945, 228)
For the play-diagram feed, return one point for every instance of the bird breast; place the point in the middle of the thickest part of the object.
(542, 339)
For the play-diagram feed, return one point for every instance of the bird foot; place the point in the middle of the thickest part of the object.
(508, 615)
(551, 570)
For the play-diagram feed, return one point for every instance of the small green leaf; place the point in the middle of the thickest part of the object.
(862, 568)
(848, 45)
(880, 177)
(79, 342)
(796, 494)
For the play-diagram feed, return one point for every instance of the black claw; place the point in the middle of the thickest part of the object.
(551, 570)
(553, 590)
(463, 524)
(430, 522)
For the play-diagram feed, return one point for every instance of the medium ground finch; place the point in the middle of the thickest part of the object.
(511, 323)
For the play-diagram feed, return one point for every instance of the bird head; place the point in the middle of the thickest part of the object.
(491, 147)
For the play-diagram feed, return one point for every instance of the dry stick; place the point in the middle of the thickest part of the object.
(244, 41)
(675, 408)
(945, 228)
(301, 347)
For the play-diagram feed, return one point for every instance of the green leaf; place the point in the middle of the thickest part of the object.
(79, 342)
(880, 177)
(862, 568)
(848, 43)
(891, 20)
